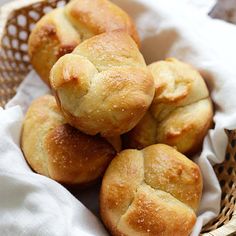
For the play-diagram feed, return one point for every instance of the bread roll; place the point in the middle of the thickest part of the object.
(153, 192)
(104, 86)
(55, 149)
(61, 30)
(115, 142)
(181, 112)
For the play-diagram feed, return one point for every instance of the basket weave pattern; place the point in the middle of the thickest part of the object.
(16, 22)
(14, 59)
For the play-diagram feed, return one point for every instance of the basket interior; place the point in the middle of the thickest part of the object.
(14, 66)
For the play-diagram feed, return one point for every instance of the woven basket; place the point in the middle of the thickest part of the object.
(17, 20)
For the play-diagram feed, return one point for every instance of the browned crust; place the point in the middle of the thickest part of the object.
(201, 135)
(74, 157)
(191, 132)
(151, 211)
(142, 135)
(121, 182)
(168, 170)
(150, 215)
(47, 42)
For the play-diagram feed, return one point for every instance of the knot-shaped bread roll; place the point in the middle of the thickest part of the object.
(61, 30)
(181, 112)
(55, 149)
(155, 191)
(104, 86)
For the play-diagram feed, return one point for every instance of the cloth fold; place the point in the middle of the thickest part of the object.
(31, 204)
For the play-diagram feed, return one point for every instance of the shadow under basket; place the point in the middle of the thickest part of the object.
(17, 19)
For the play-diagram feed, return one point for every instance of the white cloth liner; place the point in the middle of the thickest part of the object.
(31, 204)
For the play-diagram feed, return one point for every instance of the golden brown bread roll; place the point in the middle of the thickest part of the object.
(154, 191)
(104, 86)
(181, 112)
(61, 30)
(59, 151)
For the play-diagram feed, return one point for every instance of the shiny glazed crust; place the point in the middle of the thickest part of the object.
(59, 151)
(61, 30)
(104, 86)
(181, 112)
(154, 191)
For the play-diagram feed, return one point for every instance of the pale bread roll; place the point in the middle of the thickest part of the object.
(104, 86)
(181, 112)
